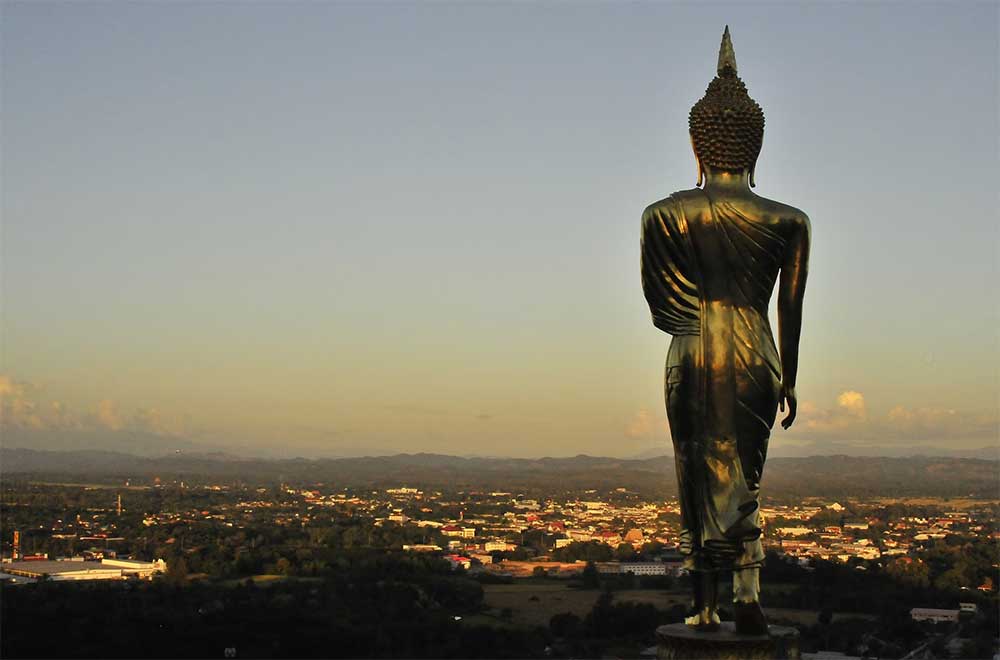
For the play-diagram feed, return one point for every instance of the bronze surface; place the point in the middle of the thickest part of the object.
(711, 257)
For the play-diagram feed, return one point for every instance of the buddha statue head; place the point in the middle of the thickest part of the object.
(726, 125)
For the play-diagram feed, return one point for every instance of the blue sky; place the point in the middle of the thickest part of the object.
(328, 228)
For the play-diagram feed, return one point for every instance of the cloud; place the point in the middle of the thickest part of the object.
(16, 405)
(913, 418)
(928, 423)
(850, 422)
(59, 416)
(853, 404)
(108, 415)
(23, 406)
(642, 425)
(850, 411)
(152, 420)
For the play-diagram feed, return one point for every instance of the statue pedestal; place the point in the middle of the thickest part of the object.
(679, 642)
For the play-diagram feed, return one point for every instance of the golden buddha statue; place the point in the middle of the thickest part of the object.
(710, 258)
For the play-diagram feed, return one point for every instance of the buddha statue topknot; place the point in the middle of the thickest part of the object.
(710, 259)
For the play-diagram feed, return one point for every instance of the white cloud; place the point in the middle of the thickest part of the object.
(850, 421)
(16, 405)
(151, 420)
(912, 418)
(643, 424)
(942, 423)
(59, 416)
(108, 415)
(852, 403)
(850, 411)
(23, 406)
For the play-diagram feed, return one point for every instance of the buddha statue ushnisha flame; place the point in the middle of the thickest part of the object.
(710, 259)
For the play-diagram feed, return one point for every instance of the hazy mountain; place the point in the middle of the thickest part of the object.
(836, 476)
(854, 449)
(152, 444)
(138, 443)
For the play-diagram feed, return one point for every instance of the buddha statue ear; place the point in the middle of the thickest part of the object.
(697, 161)
(753, 165)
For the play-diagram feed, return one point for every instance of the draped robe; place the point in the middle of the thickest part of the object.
(708, 271)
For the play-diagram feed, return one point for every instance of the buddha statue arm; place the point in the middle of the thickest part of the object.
(791, 290)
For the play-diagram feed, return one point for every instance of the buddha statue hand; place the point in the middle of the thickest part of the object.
(788, 394)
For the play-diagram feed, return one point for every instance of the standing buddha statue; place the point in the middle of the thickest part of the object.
(710, 259)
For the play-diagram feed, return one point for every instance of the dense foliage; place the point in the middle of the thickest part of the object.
(371, 605)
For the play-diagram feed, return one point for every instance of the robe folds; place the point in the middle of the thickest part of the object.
(708, 272)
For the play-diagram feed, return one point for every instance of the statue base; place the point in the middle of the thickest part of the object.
(679, 642)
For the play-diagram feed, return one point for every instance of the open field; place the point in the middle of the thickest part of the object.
(265, 579)
(809, 617)
(534, 603)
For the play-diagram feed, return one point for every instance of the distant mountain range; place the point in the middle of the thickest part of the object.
(154, 445)
(136, 443)
(835, 476)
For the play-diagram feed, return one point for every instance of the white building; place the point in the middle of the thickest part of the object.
(460, 532)
(136, 568)
(78, 569)
(7, 578)
(829, 655)
(644, 568)
(931, 614)
(794, 531)
(635, 568)
(501, 546)
(421, 547)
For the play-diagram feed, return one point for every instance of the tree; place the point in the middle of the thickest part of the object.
(950, 580)
(177, 572)
(625, 552)
(352, 537)
(591, 578)
(910, 571)
(825, 617)
(601, 618)
(565, 624)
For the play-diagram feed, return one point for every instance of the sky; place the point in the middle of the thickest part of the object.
(325, 228)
